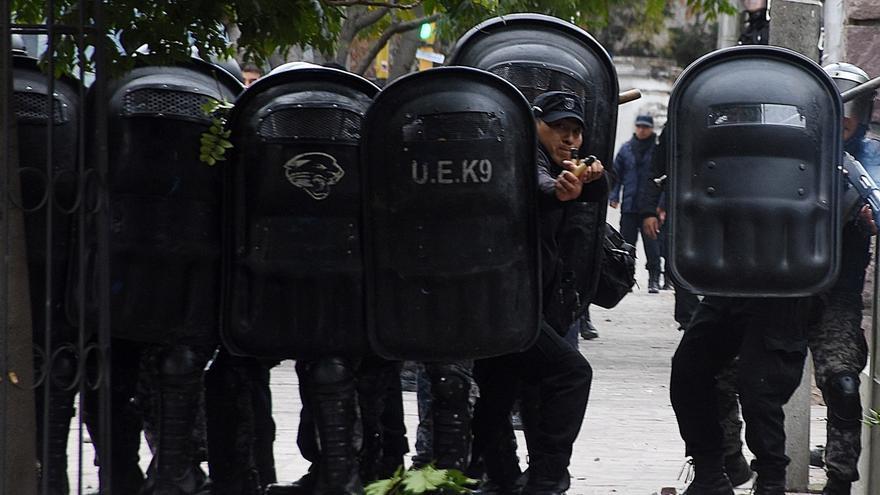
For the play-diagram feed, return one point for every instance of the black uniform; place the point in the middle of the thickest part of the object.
(649, 198)
(769, 335)
(837, 341)
(560, 371)
(241, 431)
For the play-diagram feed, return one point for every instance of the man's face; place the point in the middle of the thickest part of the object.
(850, 126)
(559, 137)
(250, 76)
(643, 132)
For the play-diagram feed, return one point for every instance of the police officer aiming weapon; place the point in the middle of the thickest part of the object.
(852, 169)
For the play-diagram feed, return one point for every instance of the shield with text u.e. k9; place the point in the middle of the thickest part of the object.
(450, 217)
(755, 140)
(164, 202)
(294, 264)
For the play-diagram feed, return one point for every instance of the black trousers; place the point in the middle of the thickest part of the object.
(769, 335)
(241, 431)
(562, 376)
(631, 230)
(686, 302)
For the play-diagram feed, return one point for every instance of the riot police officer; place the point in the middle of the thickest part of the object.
(164, 267)
(836, 339)
(735, 465)
(560, 371)
(756, 228)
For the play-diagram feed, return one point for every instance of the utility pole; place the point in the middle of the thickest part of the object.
(797, 25)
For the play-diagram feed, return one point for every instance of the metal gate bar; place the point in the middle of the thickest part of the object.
(88, 212)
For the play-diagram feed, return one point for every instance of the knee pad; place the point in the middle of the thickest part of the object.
(449, 384)
(331, 371)
(64, 368)
(178, 360)
(844, 402)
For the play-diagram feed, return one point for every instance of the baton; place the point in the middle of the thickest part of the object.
(628, 96)
(859, 90)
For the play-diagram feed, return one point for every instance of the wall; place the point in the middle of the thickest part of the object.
(861, 39)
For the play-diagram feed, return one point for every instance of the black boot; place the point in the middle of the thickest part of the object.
(302, 486)
(653, 282)
(737, 469)
(718, 486)
(588, 331)
(546, 477)
(709, 478)
(332, 393)
(231, 426)
(765, 485)
(118, 454)
(835, 486)
(450, 393)
(60, 410)
(374, 374)
(173, 470)
(817, 456)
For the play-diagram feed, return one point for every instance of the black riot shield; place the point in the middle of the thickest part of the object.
(164, 203)
(450, 217)
(755, 140)
(538, 53)
(294, 264)
(48, 192)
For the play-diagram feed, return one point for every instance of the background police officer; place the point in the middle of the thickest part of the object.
(836, 339)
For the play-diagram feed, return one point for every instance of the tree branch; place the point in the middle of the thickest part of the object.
(383, 39)
(369, 18)
(371, 3)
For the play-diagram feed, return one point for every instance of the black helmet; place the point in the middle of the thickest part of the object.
(848, 76)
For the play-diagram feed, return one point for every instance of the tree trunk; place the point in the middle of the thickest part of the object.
(357, 18)
(17, 395)
(402, 54)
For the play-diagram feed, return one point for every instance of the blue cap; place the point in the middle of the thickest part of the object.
(645, 120)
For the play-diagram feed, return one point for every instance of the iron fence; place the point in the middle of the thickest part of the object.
(55, 341)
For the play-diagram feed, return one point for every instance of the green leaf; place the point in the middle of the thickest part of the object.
(225, 144)
(381, 487)
(423, 480)
(459, 478)
(209, 106)
(872, 418)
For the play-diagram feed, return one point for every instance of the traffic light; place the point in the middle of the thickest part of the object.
(426, 31)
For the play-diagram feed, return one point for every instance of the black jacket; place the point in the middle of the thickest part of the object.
(649, 191)
(571, 240)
